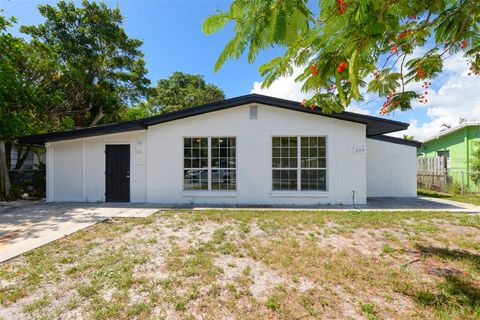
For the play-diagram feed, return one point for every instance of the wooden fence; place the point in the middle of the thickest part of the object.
(432, 174)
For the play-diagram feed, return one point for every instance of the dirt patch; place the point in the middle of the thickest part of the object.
(264, 279)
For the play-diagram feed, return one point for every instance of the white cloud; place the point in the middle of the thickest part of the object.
(285, 87)
(457, 97)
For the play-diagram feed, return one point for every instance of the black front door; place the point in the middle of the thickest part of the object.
(117, 173)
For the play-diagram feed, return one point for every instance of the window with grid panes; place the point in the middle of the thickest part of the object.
(195, 163)
(299, 163)
(313, 163)
(223, 164)
(210, 163)
(284, 163)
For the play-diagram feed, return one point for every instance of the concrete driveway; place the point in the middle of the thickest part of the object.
(25, 225)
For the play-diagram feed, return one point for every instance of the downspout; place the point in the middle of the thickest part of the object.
(467, 154)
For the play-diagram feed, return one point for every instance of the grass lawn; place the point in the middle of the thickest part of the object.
(467, 198)
(253, 265)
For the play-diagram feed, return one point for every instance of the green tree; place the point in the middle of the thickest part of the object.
(352, 44)
(103, 68)
(30, 93)
(179, 91)
(475, 164)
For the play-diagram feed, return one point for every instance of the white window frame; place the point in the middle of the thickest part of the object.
(299, 166)
(209, 164)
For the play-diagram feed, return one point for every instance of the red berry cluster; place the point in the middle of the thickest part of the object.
(404, 33)
(304, 101)
(463, 44)
(474, 70)
(394, 49)
(341, 66)
(422, 97)
(421, 73)
(389, 105)
(314, 71)
(342, 6)
(426, 84)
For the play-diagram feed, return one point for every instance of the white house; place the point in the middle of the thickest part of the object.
(249, 150)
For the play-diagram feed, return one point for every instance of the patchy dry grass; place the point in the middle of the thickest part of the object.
(253, 264)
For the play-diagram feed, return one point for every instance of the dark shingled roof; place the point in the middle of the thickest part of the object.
(375, 126)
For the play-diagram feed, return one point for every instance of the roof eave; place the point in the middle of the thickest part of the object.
(452, 130)
(407, 142)
(41, 139)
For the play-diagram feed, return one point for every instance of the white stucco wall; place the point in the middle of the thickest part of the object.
(76, 168)
(391, 169)
(346, 170)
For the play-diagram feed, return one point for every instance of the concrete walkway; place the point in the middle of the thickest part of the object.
(25, 225)
(373, 204)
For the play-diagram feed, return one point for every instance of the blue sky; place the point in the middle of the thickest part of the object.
(173, 40)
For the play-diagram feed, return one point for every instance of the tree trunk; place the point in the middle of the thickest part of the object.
(4, 178)
(8, 150)
(97, 117)
(21, 157)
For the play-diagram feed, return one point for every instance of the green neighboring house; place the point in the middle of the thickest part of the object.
(456, 145)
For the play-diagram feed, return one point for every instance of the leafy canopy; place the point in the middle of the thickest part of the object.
(179, 91)
(102, 68)
(29, 90)
(353, 44)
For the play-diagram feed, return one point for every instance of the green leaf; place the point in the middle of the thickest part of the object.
(385, 82)
(353, 74)
(405, 99)
(215, 22)
(279, 25)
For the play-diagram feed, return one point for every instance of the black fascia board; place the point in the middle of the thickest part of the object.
(407, 142)
(40, 139)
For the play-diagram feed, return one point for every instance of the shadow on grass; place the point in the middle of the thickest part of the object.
(450, 254)
(434, 194)
(457, 294)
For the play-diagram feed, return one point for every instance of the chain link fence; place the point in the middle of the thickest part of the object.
(28, 181)
(454, 180)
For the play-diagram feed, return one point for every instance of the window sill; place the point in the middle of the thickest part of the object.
(210, 194)
(300, 194)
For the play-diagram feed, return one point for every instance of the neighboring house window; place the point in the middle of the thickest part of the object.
(446, 155)
(209, 163)
(299, 163)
